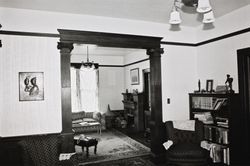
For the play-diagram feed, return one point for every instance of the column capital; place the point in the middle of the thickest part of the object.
(155, 51)
(62, 45)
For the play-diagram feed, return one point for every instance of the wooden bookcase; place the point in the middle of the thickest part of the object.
(133, 110)
(221, 128)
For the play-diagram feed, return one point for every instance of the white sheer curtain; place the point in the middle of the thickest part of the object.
(84, 90)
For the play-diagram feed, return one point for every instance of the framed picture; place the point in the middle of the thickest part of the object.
(134, 75)
(209, 85)
(31, 86)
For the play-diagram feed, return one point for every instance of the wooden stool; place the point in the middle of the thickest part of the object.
(86, 142)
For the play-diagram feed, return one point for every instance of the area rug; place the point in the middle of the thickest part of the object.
(137, 161)
(112, 145)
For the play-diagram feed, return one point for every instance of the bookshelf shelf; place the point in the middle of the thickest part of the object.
(217, 113)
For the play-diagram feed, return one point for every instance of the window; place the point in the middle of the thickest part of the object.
(84, 90)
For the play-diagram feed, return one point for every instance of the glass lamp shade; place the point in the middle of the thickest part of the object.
(175, 17)
(208, 17)
(203, 6)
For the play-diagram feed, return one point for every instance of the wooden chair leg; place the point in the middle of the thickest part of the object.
(87, 151)
(95, 149)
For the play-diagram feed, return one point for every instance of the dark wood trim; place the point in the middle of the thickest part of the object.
(0, 43)
(67, 133)
(3, 139)
(111, 65)
(156, 124)
(37, 34)
(136, 62)
(152, 44)
(109, 39)
(78, 65)
(208, 41)
(224, 36)
(179, 44)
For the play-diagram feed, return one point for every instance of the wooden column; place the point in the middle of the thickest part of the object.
(156, 124)
(66, 134)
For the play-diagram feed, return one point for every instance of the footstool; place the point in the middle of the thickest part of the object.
(87, 142)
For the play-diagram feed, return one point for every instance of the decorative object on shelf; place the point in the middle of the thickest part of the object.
(0, 40)
(229, 85)
(199, 85)
(134, 75)
(221, 89)
(202, 6)
(31, 86)
(209, 86)
(89, 64)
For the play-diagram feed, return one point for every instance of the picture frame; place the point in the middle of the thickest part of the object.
(31, 86)
(134, 75)
(209, 86)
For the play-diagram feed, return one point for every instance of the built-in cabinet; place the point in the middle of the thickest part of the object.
(221, 115)
(133, 111)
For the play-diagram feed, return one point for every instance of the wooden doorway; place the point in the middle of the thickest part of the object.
(243, 56)
(147, 102)
(151, 44)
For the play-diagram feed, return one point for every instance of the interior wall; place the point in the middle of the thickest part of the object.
(134, 57)
(217, 59)
(30, 54)
(111, 79)
(179, 77)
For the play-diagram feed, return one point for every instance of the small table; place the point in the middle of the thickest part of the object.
(85, 142)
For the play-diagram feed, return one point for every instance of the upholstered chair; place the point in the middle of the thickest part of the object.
(183, 145)
(43, 150)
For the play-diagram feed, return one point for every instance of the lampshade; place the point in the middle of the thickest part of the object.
(203, 6)
(175, 17)
(208, 17)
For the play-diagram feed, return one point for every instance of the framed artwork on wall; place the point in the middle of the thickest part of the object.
(209, 85)
(134, 75)
(31, 86)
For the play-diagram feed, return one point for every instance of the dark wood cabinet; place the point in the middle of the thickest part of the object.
(224, 129)
(133, 111)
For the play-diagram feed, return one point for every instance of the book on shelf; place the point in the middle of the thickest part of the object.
(219, 102)
(205, 117)
(223, 122)
(216, 135)
(218, 153)
(202, 103)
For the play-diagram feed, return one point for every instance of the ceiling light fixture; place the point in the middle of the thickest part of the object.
(202, 6)
(88, 64)
(175, 17)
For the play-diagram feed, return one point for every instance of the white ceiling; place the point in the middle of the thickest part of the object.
(145, 10)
